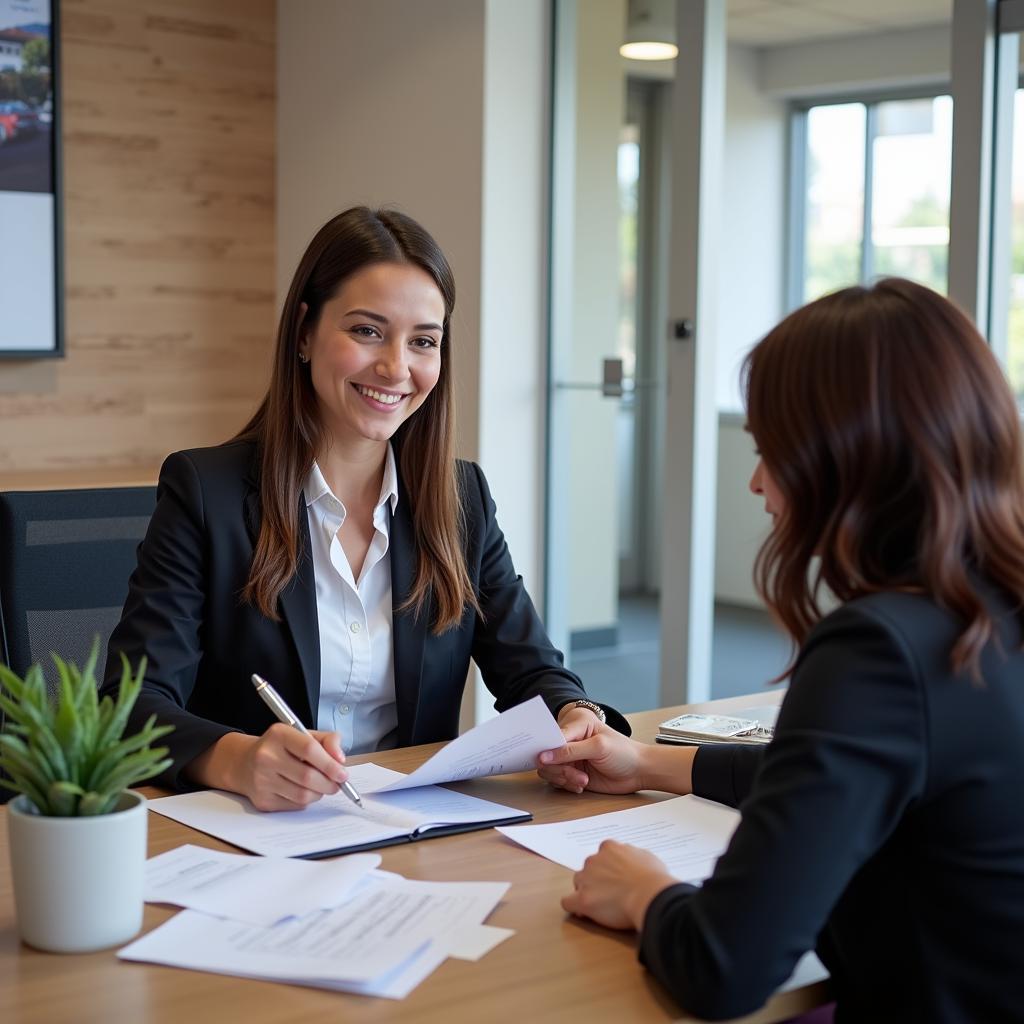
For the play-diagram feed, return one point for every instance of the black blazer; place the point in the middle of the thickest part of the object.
(883, 825)
(202, 643)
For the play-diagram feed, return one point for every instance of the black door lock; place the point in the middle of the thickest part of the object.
(682, 330)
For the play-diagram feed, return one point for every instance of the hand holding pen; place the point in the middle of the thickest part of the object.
(284, 714)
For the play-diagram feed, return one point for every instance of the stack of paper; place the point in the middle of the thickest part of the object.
(342, 925)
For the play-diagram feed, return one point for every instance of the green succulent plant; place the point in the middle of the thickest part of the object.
(67, 753)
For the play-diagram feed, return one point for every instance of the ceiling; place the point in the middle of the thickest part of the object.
(777, 22)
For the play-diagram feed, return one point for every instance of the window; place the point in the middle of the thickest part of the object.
(871, 193)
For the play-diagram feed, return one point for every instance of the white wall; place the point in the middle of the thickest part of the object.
(754, 220)
(741, 522)
(513, 300)
(885, 60)
(750, 303)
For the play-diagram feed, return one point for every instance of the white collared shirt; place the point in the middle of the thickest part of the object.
(357, 660)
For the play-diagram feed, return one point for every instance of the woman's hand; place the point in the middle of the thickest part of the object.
(286, 770)
(606, 762)
(282, 770)
(617, 885)
(577, 723)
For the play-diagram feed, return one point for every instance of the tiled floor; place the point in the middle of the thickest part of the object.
(748, 650)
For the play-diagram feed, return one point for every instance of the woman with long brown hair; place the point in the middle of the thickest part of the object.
(882, 825)
(335, 546)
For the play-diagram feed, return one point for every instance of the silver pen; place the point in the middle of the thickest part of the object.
(283, 713)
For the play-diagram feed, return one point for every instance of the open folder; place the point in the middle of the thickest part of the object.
(396, 808)
(335, 824)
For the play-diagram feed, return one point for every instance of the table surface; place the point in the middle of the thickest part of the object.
(554, 967)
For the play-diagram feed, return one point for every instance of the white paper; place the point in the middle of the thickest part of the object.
(688, 833)
(356, 942)
(254, 890)
(809, 970)
(509, 743)
(334, 822)
(444, 909)
(403, 979)
(388, 936)
(473, 943)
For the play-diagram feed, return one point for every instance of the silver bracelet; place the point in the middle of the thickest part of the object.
(591, 706)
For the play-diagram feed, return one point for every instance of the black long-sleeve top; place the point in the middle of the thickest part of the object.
(883, 826)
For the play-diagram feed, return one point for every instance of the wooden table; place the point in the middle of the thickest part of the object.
(553, 969)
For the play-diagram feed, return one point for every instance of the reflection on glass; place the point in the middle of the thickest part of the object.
(835, 197)
(911, 155)
(629, 182)
(625, 420)
(1015, 320)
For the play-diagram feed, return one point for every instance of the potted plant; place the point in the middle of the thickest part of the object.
(77, 835)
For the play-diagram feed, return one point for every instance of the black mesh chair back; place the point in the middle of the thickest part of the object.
(65, 559)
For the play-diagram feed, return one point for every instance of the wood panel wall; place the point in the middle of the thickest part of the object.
(169, 184)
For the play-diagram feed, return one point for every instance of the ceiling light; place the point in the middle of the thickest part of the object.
(650, 30)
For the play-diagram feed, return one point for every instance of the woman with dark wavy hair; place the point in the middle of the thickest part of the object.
(335, 547)
(882, 825)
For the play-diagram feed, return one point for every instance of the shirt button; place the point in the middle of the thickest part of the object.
(355, 627)
(345, 708)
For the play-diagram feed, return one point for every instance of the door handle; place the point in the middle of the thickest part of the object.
(613, 384)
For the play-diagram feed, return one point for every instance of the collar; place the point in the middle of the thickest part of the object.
(316, 486)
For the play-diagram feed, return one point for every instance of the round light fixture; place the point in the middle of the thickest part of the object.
(649, 50)
(650, 30)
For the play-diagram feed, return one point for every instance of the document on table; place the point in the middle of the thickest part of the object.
(256, 890)
(688, 833)
(335, 824)
(509, 743)
(449, 912)
(388, 936)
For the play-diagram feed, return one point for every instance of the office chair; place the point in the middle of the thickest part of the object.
(65, 559)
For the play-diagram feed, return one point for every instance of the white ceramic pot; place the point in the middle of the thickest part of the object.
(78, 881)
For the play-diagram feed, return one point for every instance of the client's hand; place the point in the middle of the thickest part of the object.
(616, 886)
(577, 723)
(606, 762)
(286, 770)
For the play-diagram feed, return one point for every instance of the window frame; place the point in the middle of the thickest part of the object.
(796, 200)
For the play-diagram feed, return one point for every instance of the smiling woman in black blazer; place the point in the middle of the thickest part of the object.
(335, 547)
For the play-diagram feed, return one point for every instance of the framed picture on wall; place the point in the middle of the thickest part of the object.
(31, 321)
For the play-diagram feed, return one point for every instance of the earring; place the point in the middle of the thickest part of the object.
(303, 358)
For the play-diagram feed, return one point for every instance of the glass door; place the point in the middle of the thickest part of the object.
(602, 604)
(610, 398)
